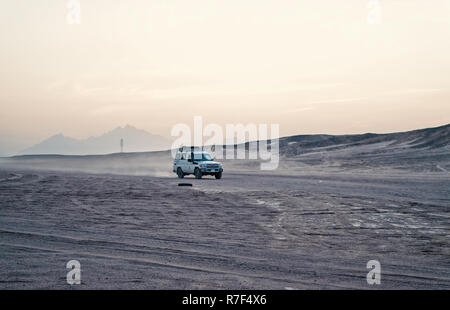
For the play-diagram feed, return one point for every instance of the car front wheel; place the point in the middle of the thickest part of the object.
(197, 173)
(218, 175)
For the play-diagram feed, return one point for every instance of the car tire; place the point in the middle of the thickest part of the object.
(180, 173)
(197, 173)
(218, 175)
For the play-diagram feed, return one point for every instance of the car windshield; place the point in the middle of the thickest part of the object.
(202, 157)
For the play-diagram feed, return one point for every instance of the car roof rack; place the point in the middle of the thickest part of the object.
(190, 149)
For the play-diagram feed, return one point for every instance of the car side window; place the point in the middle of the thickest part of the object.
(178, 156)
(183, 156)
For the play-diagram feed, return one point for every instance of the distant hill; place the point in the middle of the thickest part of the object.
(424, 150)
(430, 138)
(135, 140)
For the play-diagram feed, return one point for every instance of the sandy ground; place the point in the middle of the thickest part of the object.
(334, 203)
(302, 228)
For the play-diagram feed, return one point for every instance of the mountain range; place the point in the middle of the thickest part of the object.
(134, 140)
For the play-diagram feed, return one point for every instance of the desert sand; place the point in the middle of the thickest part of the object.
(314, 223)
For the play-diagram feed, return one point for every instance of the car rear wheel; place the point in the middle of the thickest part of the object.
(197, 173)
(218, 175)
(180, 173)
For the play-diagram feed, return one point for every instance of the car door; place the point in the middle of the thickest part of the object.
(189, 165)
(182, 162)
(176, 162)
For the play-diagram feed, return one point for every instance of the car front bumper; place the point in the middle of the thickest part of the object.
(211, 170)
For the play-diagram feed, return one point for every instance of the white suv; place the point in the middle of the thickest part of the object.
(196, 163)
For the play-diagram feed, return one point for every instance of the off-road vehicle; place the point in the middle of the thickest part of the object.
(198, 163)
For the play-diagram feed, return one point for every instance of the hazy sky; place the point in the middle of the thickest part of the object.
(311, 66)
